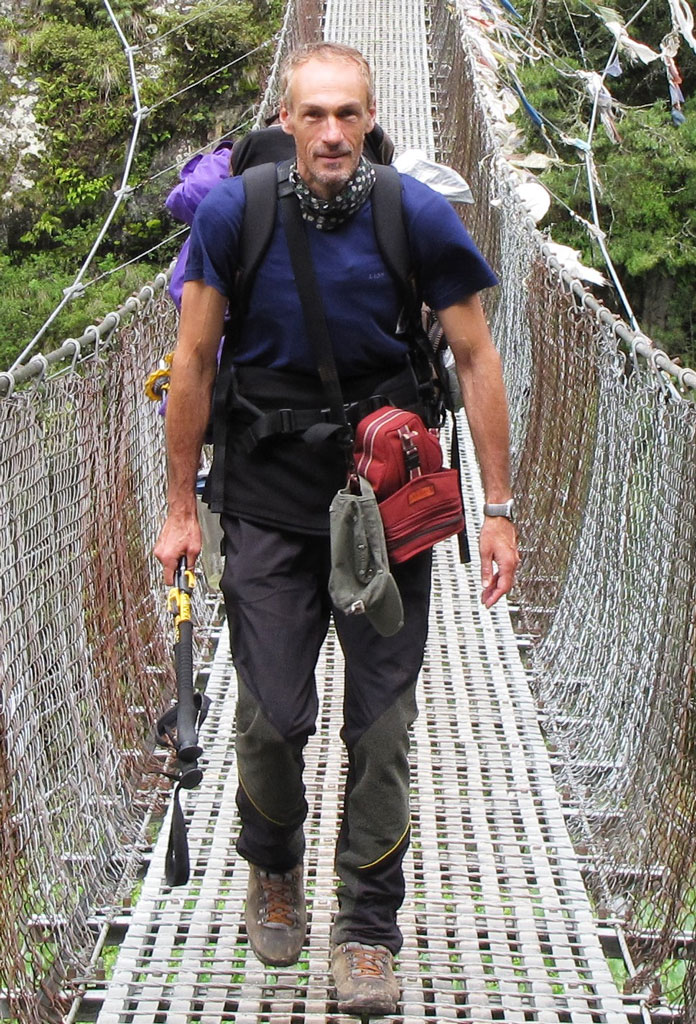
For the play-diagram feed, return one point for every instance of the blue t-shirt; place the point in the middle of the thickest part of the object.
(360, 298)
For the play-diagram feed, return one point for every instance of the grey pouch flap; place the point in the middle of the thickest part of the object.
(360, 580)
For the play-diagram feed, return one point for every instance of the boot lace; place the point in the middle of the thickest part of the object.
(366, 961)
(278, 900)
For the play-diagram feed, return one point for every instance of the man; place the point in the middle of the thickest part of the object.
(275, 511)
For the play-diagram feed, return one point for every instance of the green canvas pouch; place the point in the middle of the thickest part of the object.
(360, 582)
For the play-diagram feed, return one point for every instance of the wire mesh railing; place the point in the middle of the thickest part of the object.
(85, 658)
(605, 469)
(603, 429)
(84, 666)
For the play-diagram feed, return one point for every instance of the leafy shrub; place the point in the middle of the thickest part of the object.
(85, 90)
(72, 51)
(646, 188)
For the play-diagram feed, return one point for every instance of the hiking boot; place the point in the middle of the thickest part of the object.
(276, 915)
(364, 979)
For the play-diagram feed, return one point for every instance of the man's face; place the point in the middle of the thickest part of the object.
(328, 116)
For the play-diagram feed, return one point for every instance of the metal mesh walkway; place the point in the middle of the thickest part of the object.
(497, 925)
(392, 35)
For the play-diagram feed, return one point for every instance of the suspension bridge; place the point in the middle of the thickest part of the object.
(553, 759)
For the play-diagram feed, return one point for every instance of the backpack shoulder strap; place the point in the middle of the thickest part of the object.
(393, 242)
(261, 186)
(390, 227)
(260, 208)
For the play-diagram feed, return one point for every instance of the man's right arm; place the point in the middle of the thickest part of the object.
(188, 410)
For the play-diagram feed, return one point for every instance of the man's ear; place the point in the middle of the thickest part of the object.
(371, 118)
(285, 119)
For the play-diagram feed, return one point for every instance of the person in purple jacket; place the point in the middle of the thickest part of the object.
(274, 510)
(198, 176)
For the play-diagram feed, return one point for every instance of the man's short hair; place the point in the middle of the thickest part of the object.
(324, 51)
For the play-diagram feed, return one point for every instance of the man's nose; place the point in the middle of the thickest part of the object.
(333, 133)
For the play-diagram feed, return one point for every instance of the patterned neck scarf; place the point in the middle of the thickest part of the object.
(328, 214)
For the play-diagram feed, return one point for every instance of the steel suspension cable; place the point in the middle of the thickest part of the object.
(139, 112)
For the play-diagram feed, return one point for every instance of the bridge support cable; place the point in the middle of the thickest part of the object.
(603, 429)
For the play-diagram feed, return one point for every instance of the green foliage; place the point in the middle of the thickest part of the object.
(558, 97)
(218, 36)
(650, 185)
(33, 288)
(646, 184)
(93, 13)
(222, 35)
(85, 90)
(78, 189)
(85, 99)
(9, 37)
(72, 51)
(47, 224)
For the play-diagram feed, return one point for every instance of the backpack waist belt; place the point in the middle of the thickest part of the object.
(303, 422)
(317, 424)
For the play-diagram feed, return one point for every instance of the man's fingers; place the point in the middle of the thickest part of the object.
(495, 591)
(169, 574)
(177, 541)
(486, 571)
(499, 559)
(501, 583)
(169, 564)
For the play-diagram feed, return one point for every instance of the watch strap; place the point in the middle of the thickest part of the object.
(505, 509)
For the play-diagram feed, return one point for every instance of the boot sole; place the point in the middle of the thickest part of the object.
(268, 961)
(375, 1009)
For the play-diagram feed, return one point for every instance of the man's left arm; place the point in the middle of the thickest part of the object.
(480, 376)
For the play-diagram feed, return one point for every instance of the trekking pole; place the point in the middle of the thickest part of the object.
(188, 748)
(177, 728)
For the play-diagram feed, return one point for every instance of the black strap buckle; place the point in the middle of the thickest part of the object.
(286, 421)
(356, 411)
(345, 437)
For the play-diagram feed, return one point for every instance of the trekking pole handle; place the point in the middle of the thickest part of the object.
(188, 748)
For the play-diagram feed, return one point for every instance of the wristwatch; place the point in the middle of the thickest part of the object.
(506, 509)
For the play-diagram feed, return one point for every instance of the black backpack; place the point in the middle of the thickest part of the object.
(262, 185)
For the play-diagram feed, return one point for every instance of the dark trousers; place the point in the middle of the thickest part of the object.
(275, 589)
